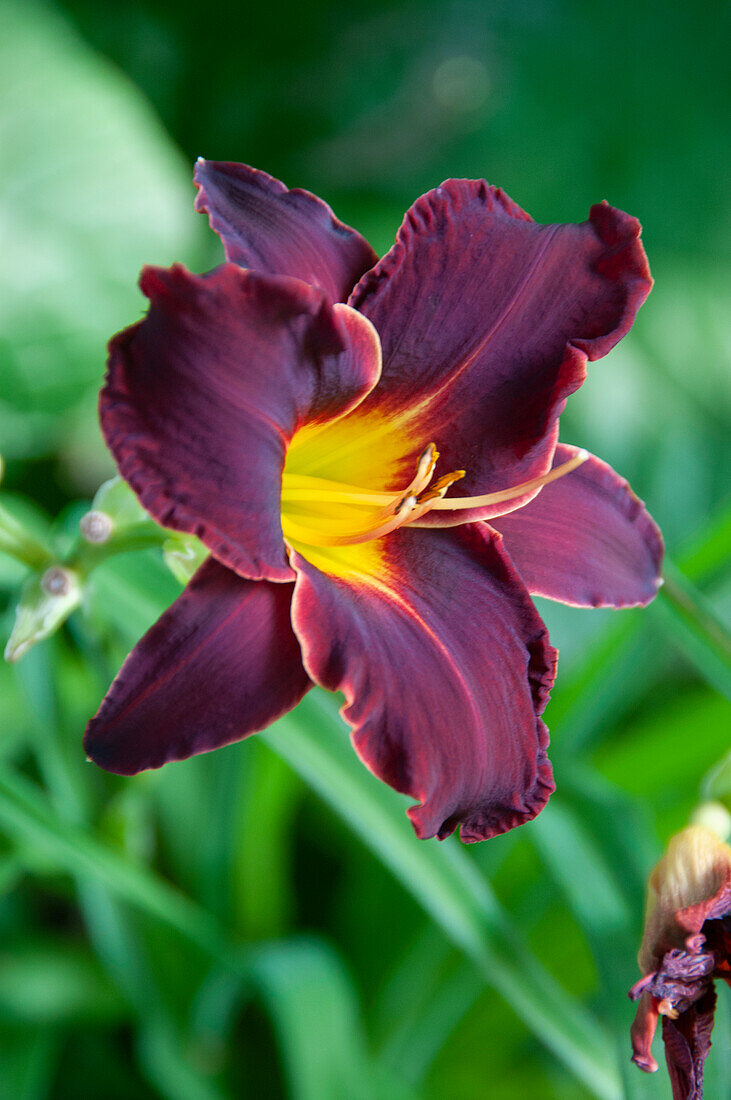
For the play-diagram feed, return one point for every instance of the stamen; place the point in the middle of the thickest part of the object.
(440, 486)
(435, 493)
(457, 503)
(308, 535)
(389, 511)
(318, 490)
(304, 487)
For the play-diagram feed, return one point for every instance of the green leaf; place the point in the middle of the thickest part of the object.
(422, 1003)
(693, 626)
(91, 190)
(604, 687)
(579, 867)
(28, 1058)
(26, 818)
(446, 883)
(309, 993)
(262, 832)
(717, 783)
(42, 983)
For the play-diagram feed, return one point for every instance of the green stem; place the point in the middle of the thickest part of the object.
(85, 556)
(16, 541)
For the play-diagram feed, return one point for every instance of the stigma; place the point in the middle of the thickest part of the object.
(334, 504)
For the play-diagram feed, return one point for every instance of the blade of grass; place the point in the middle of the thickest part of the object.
(159, 1046)
(26, 818)
(305, 984)
(446, 883)
(308, 993)
(426, 997)
(28, 1062)
(692, 626)
(619, 668)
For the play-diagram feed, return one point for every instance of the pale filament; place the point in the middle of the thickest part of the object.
(396, 511)
(517, 490)
(301, 487)
(292, 529)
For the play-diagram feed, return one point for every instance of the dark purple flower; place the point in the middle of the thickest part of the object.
(686, 945)
(297, 436)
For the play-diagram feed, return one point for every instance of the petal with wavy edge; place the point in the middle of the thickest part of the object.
(487, 320)
(586, 539)
(445, 666)
(221, 663)
(203, 396)
(687, 1045)
(266, 226)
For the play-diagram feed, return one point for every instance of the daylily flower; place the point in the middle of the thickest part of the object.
(686, 945)
(290, 409)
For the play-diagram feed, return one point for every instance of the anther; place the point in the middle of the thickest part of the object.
(424, 469)
(441, 485)
(427, 460)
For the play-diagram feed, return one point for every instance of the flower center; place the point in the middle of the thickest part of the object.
(321, 512)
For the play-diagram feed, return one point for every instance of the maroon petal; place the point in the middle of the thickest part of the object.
(687, 1043)
(643, 1028)
(221, 663)
(203, 396)
(445, 667)
(266, 226)
(486, 321)
(586, 539)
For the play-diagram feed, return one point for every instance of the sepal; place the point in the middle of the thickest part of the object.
(46, 601)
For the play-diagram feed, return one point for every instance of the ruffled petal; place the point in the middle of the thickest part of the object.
(486, 321)
(445, 666)
(221, 663)
(687, 1045)
(266, 226)
(203, 396)
(586, 539)
(642, 1032)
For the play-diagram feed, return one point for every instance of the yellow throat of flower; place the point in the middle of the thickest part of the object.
(320, 512)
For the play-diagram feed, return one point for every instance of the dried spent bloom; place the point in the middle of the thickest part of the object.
(290, 408)
(686, 946)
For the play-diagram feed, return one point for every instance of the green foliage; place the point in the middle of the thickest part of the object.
(261, 921)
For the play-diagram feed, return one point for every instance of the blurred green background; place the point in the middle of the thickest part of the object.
(261, 922)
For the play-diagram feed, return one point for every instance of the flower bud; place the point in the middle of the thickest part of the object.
(96, 527)
(46, 601)
(118, 503)
(685, 946)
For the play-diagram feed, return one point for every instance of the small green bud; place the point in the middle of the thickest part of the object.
(117, 501)
(96, 527)
(46, 601)
(714, 816)
(183, 555)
